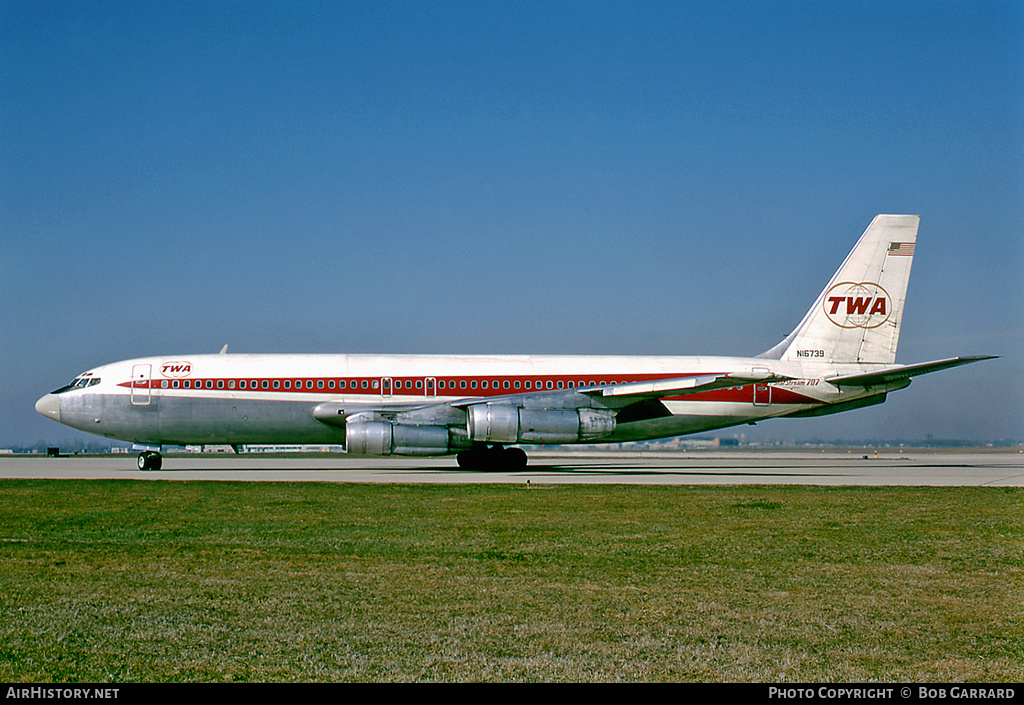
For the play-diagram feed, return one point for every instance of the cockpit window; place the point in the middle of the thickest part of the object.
(79, 382)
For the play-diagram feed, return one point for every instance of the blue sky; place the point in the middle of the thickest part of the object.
(525, 177)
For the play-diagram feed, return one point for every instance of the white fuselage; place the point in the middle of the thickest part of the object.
(282, 399)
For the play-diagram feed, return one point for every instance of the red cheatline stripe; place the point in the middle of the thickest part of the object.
(492, 385)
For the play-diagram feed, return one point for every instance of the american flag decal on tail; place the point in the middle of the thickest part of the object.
(904, 249)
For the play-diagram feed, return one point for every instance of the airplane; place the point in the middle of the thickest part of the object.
(484, 408)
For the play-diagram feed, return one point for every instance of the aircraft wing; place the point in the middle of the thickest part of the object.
(894, 374)
(681, 386)
(631, 392)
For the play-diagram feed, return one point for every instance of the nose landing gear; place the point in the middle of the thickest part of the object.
(150, 460)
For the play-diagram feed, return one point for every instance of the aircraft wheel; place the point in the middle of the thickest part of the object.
(515, 458)
(495, 459)
(471, 459)
(150, 460)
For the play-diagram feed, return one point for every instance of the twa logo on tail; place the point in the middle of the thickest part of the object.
(176, 368)
(857, 305)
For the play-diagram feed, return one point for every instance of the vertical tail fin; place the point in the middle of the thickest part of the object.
(856, 318)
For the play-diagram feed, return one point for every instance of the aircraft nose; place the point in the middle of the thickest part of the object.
(49, 406)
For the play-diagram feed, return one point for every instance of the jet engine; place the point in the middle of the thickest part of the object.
(504, 423)
(386, 438)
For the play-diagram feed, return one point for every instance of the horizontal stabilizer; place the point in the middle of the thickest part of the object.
(894, 374)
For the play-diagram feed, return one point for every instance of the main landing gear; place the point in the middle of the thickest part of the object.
(492, 459)
(150, 460)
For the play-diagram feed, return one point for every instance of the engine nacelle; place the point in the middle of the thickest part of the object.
(504, 423)
(386, 438)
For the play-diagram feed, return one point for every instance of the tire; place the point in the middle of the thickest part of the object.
(471, 459)
(492, 459)
(515, 458)
(150, 460)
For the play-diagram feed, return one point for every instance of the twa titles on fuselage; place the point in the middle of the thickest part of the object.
(484, 408)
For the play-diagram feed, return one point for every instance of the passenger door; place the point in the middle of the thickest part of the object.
(141, 377)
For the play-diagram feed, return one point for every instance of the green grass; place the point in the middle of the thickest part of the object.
(211, 581)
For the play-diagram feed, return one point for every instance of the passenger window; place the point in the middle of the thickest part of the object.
(365, 384)
(419, 384)
(220, 384)
(462, 384)
(287, 384)
(241, 384)
(209, 384)
(472, 384)
(174, 384)
(265, 384)
(483, 385)
(517, 384)
(277, 384)
(320, 384)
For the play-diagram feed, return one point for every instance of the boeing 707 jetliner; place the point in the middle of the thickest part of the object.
(841, 356)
